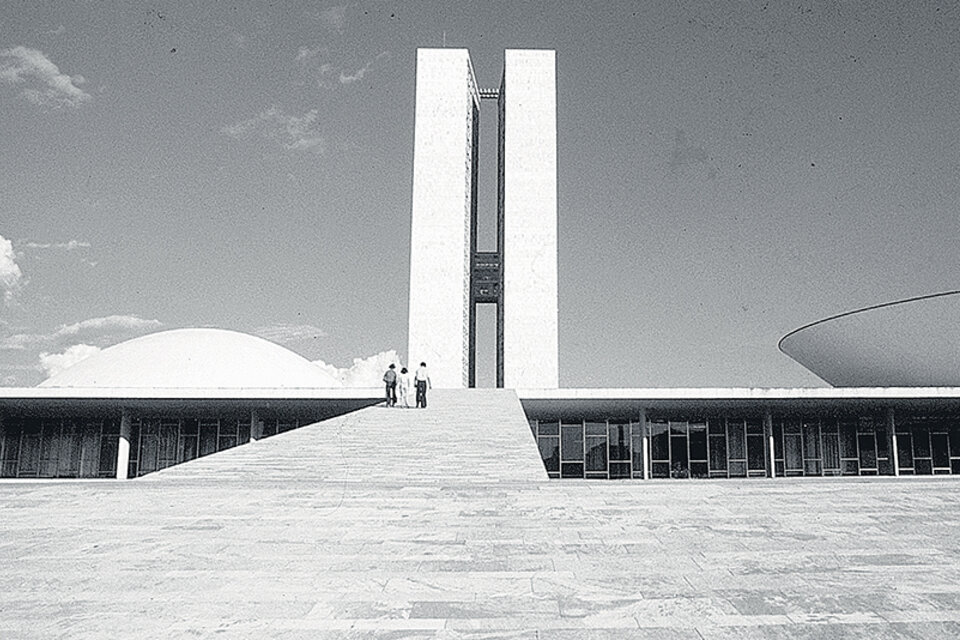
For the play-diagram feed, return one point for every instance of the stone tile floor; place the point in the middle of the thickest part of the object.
(275, 556)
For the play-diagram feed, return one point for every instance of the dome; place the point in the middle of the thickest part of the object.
(194, 358)
(908, 343)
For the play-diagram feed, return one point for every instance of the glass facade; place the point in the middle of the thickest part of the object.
(79, 447)
(737, 446)
(59, 448)
(656, 444)
(929, 445)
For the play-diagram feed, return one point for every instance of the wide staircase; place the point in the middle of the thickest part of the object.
(463, 436)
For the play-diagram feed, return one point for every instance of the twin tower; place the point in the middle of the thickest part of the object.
(449, 277)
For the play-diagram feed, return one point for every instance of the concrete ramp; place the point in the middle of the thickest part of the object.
(463, 436)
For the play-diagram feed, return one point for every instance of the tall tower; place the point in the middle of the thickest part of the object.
(448, 276)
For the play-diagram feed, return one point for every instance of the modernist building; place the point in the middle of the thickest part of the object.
(448, 275)
(162, 399)
(170, 397)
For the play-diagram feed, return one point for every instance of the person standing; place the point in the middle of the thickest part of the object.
(404, 387)
(422, 379)
(390, 379)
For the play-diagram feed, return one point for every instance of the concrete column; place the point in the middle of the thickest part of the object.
(3, 443)
(256, 427)
(892, 441)
(646, 444)
(528, 192)
(123, 446)
(447, 100)
(771, 452)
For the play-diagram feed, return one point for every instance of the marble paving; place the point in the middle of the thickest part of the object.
(378, 525)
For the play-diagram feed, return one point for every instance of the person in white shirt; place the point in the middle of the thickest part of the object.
(422, 379)
(405, 387)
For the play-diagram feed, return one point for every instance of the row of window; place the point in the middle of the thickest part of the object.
(55, 448)
(737, 447)
(87, 448)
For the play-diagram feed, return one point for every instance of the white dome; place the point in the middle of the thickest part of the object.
(194, 358)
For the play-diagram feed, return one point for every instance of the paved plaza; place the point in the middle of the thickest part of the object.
(328, 532)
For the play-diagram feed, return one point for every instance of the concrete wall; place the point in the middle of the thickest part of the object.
(530, 219)
(446, 97)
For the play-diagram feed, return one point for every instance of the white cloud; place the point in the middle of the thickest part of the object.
(10, 273)
(54, 363)
(334, 18)
(43, 83)
(103, 331)
(346, 78)
(20, 341)
(67, 246)
(290, 132)
(350, 78)
(114, 323)
(306, 54)
(284, 333)
(18, 374)
(364, 372)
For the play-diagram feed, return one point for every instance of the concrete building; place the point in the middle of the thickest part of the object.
(448, 275)
(168, 398)
(160, 400)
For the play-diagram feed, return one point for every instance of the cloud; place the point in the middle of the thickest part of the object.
(333, 18)
(290, 132)
(44, 84)
(21, 341)
(102, 331)
(10, 274)
(306, 54)
(54, 363)
(284, 333)
(67, 246)
(357, 76)
(16, 374)
(115, 323)
(364, 372)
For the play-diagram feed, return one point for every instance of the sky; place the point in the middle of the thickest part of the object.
(728, 172)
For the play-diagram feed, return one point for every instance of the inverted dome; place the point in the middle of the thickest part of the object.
(908, 343)
(194, 358)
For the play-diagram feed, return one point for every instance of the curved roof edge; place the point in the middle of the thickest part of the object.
(861, 310)
(909, 342)
(202, 358)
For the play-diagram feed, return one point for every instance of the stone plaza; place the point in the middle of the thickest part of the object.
(365, 526)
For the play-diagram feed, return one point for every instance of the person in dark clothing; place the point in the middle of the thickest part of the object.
(422, 380)
(390, 379)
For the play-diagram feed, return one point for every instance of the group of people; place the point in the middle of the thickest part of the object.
(399, 386)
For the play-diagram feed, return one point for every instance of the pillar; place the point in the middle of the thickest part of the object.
(256, 427)
(3, 444)
(892, 441)
(123, 446)
(645, 444)
(771, 452)
(447, 103)
(528, 192)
